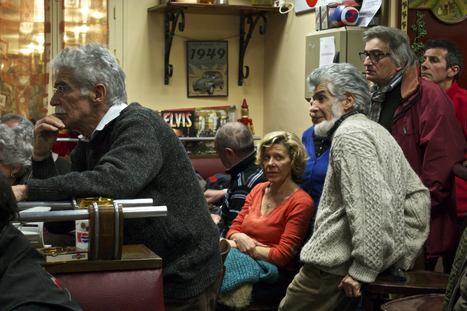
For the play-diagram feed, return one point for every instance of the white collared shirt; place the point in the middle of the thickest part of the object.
(110, 115)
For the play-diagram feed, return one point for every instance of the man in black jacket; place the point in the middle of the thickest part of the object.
(235, 147)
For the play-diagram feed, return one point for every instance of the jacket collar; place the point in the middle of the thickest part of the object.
(242, 165)
(409, 82)
(452, 89)
(339, 122)
(409, 91)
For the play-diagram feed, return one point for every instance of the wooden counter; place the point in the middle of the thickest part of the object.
(134, 257)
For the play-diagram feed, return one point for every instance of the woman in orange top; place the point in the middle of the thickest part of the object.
(276, 214)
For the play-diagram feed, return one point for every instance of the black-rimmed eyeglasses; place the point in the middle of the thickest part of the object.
(374, 56)
(61, 89)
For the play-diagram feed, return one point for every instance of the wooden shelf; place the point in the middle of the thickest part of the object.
(217, 9)
(249, 16)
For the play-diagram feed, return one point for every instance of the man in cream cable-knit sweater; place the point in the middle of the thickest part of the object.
(374, 211)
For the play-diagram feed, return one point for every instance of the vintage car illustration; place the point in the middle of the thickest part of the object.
(209, 81)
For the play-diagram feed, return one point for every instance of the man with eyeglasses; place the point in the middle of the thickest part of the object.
(125, 152)
(421, 118)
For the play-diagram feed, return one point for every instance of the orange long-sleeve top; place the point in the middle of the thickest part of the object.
(283, 229)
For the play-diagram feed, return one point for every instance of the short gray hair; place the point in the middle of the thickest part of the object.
(398, 44)
(237, 136)
(22, 122)
(92, 64)
(343, 78)
(16, 148)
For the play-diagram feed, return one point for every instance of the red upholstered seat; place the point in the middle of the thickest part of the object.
(123, 290)
(208, 167)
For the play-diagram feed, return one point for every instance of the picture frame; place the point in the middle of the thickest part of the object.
(4, 49)
(43, 102)
(4, 101)
(72, 3)
(5, 3)
(207, 69)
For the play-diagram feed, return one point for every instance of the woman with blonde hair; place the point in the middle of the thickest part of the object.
(275, 218)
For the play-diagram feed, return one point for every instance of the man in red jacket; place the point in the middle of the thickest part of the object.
(442, 64)
(421, 118)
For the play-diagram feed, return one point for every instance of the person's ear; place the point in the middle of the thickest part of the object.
(348, 102)
(453, 71)
(229, 152)
(100, 93)
(399, 67)
(15, 170)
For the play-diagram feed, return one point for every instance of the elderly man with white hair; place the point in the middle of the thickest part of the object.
(374, 211)
(125, 152)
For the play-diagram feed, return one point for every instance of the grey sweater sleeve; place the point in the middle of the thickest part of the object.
(129, 154)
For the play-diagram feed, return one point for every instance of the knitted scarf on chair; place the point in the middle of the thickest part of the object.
(241, 269)
(241, 272)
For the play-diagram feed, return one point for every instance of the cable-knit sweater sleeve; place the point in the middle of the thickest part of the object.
(417, 209)
(365, 197)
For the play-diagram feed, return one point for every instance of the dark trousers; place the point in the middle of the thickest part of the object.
(206, 301)
(266, 293)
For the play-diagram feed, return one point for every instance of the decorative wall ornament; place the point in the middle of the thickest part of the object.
(448, 11)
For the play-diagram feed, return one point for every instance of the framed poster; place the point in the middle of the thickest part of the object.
(42, 105)
(72, 3)
(197, 122)
(207, 68)
(4, 101)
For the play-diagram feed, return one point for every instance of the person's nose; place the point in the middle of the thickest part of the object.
(367, 61)
(424, 64)
(313, 107)
(271, 162)
(54, 100)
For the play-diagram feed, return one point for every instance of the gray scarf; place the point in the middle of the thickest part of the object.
(378, 93)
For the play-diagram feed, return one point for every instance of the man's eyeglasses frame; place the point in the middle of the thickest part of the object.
(374, 56)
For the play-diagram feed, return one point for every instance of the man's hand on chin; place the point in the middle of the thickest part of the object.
(20, 192)
(45, 136)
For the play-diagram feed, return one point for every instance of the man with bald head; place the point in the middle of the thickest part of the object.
(234, 144)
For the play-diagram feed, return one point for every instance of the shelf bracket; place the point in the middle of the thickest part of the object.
(171, 19)
(245, 39)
